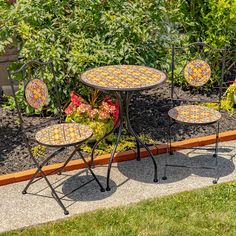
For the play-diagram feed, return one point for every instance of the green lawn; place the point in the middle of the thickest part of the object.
(208, 211)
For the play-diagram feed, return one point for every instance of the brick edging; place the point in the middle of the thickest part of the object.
(121, 156)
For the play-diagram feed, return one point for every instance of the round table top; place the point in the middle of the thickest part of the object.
(123, 78)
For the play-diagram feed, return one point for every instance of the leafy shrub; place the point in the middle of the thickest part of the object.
(209, 21)
(81, 34)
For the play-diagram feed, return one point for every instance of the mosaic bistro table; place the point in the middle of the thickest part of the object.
(123, 80)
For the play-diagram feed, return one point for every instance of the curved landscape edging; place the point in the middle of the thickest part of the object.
(122, 156)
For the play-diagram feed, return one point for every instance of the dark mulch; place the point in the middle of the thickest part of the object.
(148, 112)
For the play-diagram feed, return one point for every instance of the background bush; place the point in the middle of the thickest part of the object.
(209, 21)
(80, 34)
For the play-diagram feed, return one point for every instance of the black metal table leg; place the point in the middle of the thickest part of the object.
(124, 118)
(124, 104)
(120, 124)
(128, 99)
(138, 140)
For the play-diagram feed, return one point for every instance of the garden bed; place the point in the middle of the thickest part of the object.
(148, 113)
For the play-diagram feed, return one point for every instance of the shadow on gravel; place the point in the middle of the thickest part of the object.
(87, 188)
(224, 168)
(143, 170)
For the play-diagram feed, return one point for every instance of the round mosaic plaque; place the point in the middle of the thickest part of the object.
(65, 134)
(123, 77)
(197, 72)
(194, 114)
(36, 93)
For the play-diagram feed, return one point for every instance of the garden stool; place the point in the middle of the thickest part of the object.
(52, 132)
(197, 75)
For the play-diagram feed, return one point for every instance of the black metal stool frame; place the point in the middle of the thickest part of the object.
(59, 117)
(214, 125)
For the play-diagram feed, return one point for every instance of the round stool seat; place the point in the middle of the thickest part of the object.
(65, 134)
(194, 114)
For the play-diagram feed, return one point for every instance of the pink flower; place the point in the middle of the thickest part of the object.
(75, 99)
(92, 113)
(105, 106)
(103, 115)
(69, 109)
(108, 107)
(84, 108)
(112, 109)
(109, 101)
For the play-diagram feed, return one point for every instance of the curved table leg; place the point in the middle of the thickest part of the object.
(120, 122)
(128, 98)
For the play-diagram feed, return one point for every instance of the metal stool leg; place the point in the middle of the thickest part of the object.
(96, 144)
(138, 158)
(113, 154)
(215, 155)
(89, 168)
(169, 148)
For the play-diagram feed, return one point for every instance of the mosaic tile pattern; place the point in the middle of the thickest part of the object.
(63, 134)
(121, 77)
(194, 114)
(197, 72)
(36, 93)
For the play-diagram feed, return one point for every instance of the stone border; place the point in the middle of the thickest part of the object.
(122, 156)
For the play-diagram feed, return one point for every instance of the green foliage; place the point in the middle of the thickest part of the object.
(81, 34)
(9, 103)
(209, 21)
(126, 143)
(227, 102)
(220, 23)
(38, 151)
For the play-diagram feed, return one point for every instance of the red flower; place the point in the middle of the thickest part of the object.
(75, 99)
(69, 109)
